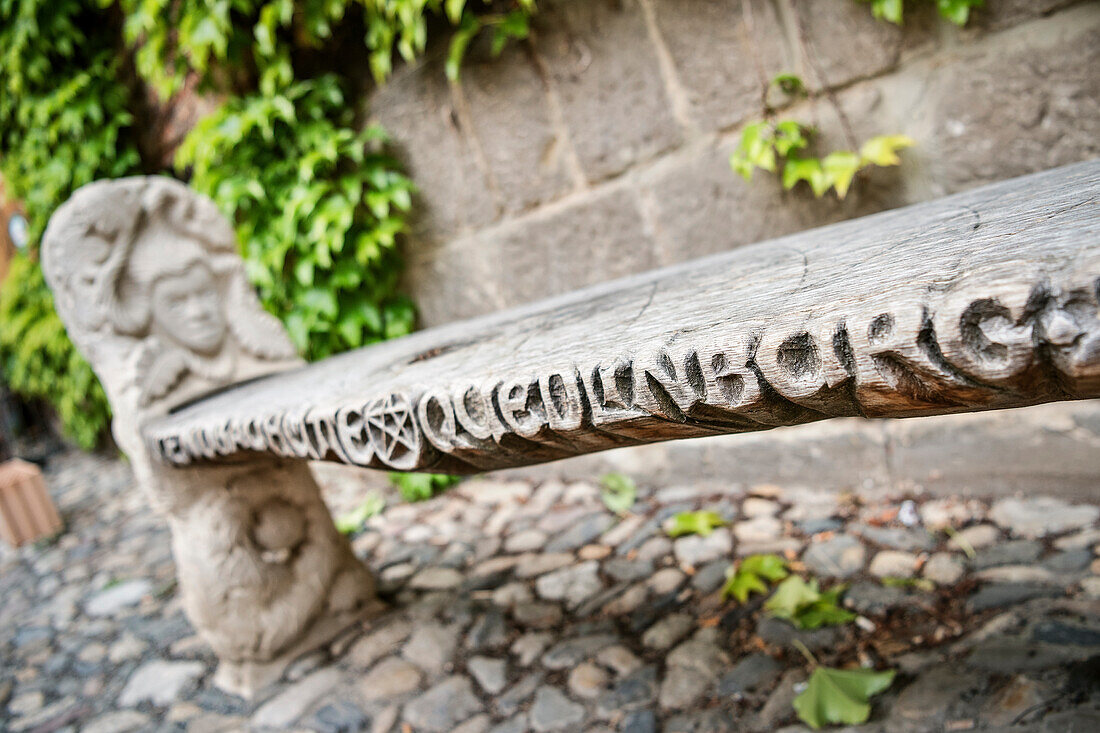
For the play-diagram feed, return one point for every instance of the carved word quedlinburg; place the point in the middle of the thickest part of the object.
(1035, 345)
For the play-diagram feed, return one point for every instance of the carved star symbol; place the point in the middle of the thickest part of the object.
(392, 427)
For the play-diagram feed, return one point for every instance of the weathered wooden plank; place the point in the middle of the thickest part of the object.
(982, 300)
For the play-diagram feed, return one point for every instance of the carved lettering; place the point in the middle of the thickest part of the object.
(474, 411)
(294, 433)
(273, 436)
(437, 418)
(351, 431)
(660, 388)
(321, 433)
(562, 400)
(893, 361)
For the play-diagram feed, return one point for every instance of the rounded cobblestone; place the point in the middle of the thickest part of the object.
(624, 631)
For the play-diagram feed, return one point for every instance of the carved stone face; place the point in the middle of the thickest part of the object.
(187, 309)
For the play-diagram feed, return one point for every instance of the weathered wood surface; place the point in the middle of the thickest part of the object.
(983, 300)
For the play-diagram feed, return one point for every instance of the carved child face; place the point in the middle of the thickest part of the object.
(187, 309)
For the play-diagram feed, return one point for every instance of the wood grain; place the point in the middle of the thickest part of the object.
(982, 300)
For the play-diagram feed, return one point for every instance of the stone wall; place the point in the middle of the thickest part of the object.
(599, 148)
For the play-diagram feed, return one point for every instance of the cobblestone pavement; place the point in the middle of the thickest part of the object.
(519, 606)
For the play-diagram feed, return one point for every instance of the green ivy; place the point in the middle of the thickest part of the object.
(422, 486)
(39, 361)
(955, 11)
(783, 147)
(64, 122)
(317, 207)
(232, 40)
(316, 203)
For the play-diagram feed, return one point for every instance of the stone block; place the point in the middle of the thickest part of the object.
(418, 111)
(845, 41)
(606, 73)
(528, 157)
(724, 51)
(702, 207)
(998, 15)
(1021, 101)
(452, 282)
(600, 237)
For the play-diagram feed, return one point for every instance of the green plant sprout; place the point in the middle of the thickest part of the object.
(781, 147)
(751, 574)
(955, 11)
(618, 492)
(701, 523)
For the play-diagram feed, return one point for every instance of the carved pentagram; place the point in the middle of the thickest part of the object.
(393, 431)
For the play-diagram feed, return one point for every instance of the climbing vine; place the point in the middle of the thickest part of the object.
(65, 121)
(786, 146)
(318, 207)
(783, 147)
(955, 11)
(317, 204)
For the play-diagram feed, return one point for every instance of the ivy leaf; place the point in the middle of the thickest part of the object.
(353, 521)
(825, 611)
(789, 84)
(792, 594)
(754, 150)
(459, 41)
(618, 492)
(790, 136)
(957, 11)
(740, 585)
(741, 166)
(841, 167)
(515, 25)
(422, 486)
(808, 170)
(771, 567)
(701, 523)
(890, 10)
(454, 10)
(751, 574)
(883, 149)
(804, 605)
(840, 696)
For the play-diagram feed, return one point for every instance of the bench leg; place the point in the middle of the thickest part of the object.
(264, 575)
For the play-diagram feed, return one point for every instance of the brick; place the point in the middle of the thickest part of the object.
(511, 116)
(416, 108)
(718, 61)
(605, 70)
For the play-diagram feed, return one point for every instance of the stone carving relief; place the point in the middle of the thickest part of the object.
(146, 277)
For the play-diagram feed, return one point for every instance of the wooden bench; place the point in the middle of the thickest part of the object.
(983, 300)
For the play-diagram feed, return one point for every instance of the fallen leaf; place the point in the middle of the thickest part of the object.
(840, 696)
